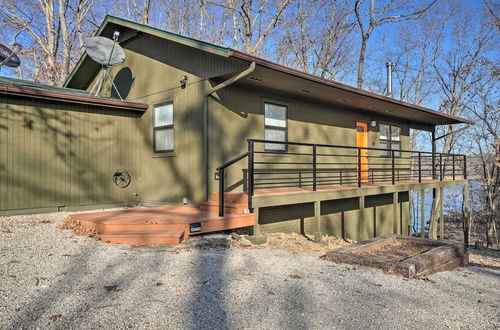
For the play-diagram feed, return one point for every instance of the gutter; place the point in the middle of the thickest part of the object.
(208, 93)
(71, 98)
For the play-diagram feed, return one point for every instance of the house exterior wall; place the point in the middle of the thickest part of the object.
(56, 155)
(68, 158)
(151, 74)
(237, 114)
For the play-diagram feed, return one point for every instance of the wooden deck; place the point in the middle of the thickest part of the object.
(166, 224)
(297, 190)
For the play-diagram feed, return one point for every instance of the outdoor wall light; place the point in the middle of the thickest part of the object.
(183, 81)
(373, 123)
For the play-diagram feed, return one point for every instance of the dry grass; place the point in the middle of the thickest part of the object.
(296, 243)
(399, 250)
(485, 258)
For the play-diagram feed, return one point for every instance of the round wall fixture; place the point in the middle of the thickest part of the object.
(121, 178)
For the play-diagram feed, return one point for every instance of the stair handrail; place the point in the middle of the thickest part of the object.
(220, 176)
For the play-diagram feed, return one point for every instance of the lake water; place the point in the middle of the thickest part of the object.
(452, 202)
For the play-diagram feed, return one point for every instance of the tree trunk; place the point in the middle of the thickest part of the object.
(361, 62)
(434, 215)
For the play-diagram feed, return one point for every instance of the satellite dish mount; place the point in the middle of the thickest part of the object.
(97, 48)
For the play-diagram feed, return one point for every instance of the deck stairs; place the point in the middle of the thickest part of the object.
(167, 224)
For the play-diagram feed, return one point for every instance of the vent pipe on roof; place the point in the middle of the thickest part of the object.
(389, 66)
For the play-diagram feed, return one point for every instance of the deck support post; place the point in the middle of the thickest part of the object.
(318, 237)
(441, 215)
(395, 213)
(362, 222)
(257, 237)
(422, 212)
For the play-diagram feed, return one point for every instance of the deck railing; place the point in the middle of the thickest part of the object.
(273, 164)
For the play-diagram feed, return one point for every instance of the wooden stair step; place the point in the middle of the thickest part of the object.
(149, 237)
(133, 227)
(238, 197)
(229, 207)
(230, 221)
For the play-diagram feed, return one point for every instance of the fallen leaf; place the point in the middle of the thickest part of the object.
(45, 221)
(11, 276)
(110, 288)
(66, 255)
(378, 284)
(388, 271)
(106, 306)
(7, 231)
(295, 276)
(425, 278)
(270, 293)
(239, 303)
(55, 317)
(86, 288)
(159, 284)
(382, 306)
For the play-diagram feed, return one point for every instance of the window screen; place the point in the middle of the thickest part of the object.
(163, 127)
(275, 126)
(390, 139)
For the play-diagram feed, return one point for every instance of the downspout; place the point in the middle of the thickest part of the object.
(212, 90)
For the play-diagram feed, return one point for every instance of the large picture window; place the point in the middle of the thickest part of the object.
(390, 139)
(163, 127)
(275, 128)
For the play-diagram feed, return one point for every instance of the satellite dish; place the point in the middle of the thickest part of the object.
(9, 57)
(107, 53)
(104, 51)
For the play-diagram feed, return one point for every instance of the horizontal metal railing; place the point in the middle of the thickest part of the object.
(274, 164)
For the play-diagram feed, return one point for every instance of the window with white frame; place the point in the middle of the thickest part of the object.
(275, 126)
(390, 139)
(163, 127)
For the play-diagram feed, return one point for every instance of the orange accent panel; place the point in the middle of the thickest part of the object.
(362, 141)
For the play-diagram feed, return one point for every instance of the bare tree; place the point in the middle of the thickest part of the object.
(253, 21)
(457, 61)
(370, 17)
(51, 26)
(142, 9)
(317, 37)
(486, 147)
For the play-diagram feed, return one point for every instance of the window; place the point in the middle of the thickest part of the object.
(390, 139)
(275, 128)
(163, 127)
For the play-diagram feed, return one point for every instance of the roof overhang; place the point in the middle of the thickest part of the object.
(276, 77)
(287, 80)
(71, 98)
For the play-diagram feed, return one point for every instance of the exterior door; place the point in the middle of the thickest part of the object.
(362, 142)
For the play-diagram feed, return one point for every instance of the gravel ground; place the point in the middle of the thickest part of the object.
(50, 278)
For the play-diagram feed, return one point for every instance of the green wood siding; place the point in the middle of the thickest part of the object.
(339, 217)
(237, 114)
(54, 154)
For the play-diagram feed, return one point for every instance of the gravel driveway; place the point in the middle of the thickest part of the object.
(50, 278)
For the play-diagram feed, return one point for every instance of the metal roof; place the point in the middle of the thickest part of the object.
(336, 93)
(36, 90)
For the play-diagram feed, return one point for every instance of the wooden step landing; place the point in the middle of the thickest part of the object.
(237, 197)
(229, 207)
(139, 238)
(159, 225)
